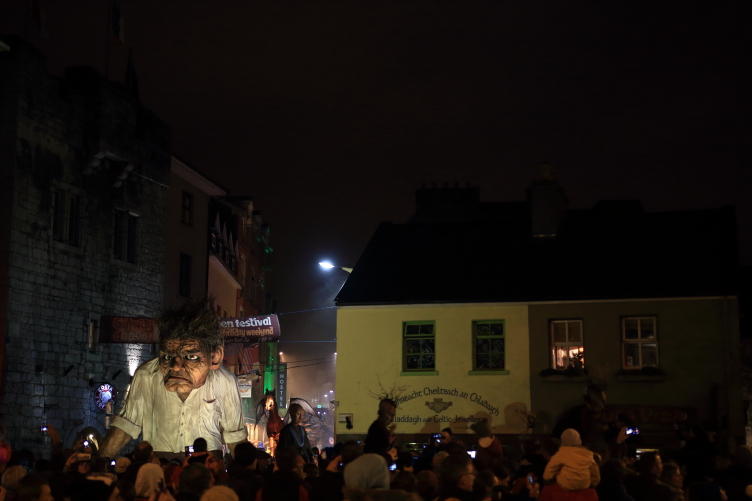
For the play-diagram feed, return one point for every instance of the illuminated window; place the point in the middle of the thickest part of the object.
(639, 342)
(419, 346)
(567, 349)
(488, 345)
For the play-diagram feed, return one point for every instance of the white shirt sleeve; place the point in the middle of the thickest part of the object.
(233, 424)
(137, 403)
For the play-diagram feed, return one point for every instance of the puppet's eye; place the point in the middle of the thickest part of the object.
(166, 358)
(191, 357)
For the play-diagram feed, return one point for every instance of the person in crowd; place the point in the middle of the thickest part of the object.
(427, 485)
(295, 435)
(368, 471)
(457, 478)
(737, 479)
(447, 437)
(121, 465)
(671, 475)
(33, 488)
(488, 450)
(404, 481)
(149, 480)
(195, 479)
(11, 478)
(700, 454)
(611, 486)
(242, 475)
(705, 491)
(284, 484)
(142, 454)
(647, 485)
(572, 466)
(220, 493)
(185, 392)
(381, 432)
(331, 479)
(123, 491)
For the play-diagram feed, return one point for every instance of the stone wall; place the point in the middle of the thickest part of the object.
(56, 289)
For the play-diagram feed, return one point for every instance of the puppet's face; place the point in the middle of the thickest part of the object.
(269, 404)
(184, 366)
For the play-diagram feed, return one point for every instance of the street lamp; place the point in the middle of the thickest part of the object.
(328, 266)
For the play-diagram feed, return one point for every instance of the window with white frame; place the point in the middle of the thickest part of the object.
(639, 342)
(567, 348)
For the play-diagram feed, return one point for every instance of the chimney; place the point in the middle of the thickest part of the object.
(548, 204)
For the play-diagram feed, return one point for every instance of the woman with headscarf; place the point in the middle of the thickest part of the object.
(148, 481)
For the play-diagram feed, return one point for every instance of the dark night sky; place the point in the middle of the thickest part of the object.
(332, 113)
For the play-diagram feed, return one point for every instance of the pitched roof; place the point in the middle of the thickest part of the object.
(596, 255)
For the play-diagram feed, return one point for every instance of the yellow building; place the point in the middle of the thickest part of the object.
(388, 348)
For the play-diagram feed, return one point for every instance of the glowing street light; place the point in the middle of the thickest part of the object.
(328, 266)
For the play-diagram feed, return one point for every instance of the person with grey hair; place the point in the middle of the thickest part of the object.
(185, 392)
(369, 471)
(295, 435)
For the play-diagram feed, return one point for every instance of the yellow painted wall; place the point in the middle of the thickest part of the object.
(223, 289)
(369, 349)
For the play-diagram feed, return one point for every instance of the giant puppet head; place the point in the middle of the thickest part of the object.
(190, 346)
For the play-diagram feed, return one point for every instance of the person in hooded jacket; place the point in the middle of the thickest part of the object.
(284, 484)
(573, 466)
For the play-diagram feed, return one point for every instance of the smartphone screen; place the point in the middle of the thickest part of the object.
(472, 454)
(112, 463)
(392, 467)
(530, 480)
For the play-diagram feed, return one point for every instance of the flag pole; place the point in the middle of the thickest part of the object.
(107, 39)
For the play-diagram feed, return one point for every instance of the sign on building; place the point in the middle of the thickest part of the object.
(261, 329)
(282, 385)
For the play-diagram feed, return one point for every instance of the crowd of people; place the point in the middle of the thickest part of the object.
(585, 462)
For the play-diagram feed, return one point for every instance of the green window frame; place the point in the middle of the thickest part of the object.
(419, 346)
(489, 345)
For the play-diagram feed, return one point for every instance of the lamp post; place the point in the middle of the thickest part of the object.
(328, 266)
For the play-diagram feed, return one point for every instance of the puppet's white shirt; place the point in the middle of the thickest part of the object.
(212, 412)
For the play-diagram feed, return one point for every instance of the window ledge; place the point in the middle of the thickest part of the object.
(487, 373)
(561, 378)
(419, 373)
(123, 264)
(67, 247)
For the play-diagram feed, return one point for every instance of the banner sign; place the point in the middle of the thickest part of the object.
(260, 329)
(282, 385)
(127, 330)
(144, 330)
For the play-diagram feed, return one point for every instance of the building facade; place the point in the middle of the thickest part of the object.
(186, 220)
(84, 169)
(544, 302)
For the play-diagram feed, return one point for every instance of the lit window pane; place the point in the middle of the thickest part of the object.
(560, 332)
(649, 355)
(576, 352)
(631, 355)
(575, 334)
(560, 358)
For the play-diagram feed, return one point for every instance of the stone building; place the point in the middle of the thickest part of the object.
(507, 311)
(83, 175)
(186, 221)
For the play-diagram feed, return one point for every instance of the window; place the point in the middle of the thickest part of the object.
(186, 213)
(488, 345)
(639, 342)
(567, 349)
(419, 346)
(184, 283)
(66, 218)
(125, 246)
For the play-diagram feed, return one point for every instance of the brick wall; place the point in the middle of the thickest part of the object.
(51, 129)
